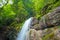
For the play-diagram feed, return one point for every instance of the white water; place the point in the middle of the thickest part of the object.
(25, 28)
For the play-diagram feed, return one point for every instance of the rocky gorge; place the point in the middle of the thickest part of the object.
(47, 28)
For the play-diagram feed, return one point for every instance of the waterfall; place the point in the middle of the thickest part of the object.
(25, 28)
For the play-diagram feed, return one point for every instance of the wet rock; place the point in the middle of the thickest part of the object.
(57, 34)
(37, 27)
(34, 21)
(47, 21)
(47, 27)
(50, 19)
(34, 35)
(46, 34)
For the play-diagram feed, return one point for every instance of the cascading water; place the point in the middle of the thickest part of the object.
(25, 28)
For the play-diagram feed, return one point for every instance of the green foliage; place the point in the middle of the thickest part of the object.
(48, 36)
(12, 30)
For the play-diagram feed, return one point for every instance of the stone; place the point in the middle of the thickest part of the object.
(46, 28)
(34, 21)
(37, 27)
(50, 19)
(34, 35)
(57, 34)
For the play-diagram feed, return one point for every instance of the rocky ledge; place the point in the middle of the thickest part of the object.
(47, 28)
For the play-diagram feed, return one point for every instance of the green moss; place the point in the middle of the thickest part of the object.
(48, 36)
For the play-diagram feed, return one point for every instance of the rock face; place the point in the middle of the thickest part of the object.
(49, 20)
(46, 34)
(34, 35)
(46, 28)
(34, 21)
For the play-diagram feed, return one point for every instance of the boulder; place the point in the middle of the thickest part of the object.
(47, 21)
(37, 27)
(34, 21)
(34, 35)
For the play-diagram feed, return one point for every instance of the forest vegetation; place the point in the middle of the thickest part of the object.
(13, 14)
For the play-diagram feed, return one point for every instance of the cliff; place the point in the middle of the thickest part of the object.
(47, 27)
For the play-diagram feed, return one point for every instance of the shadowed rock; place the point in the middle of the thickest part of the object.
(47, 21)
(51, 19)
(46, 28)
